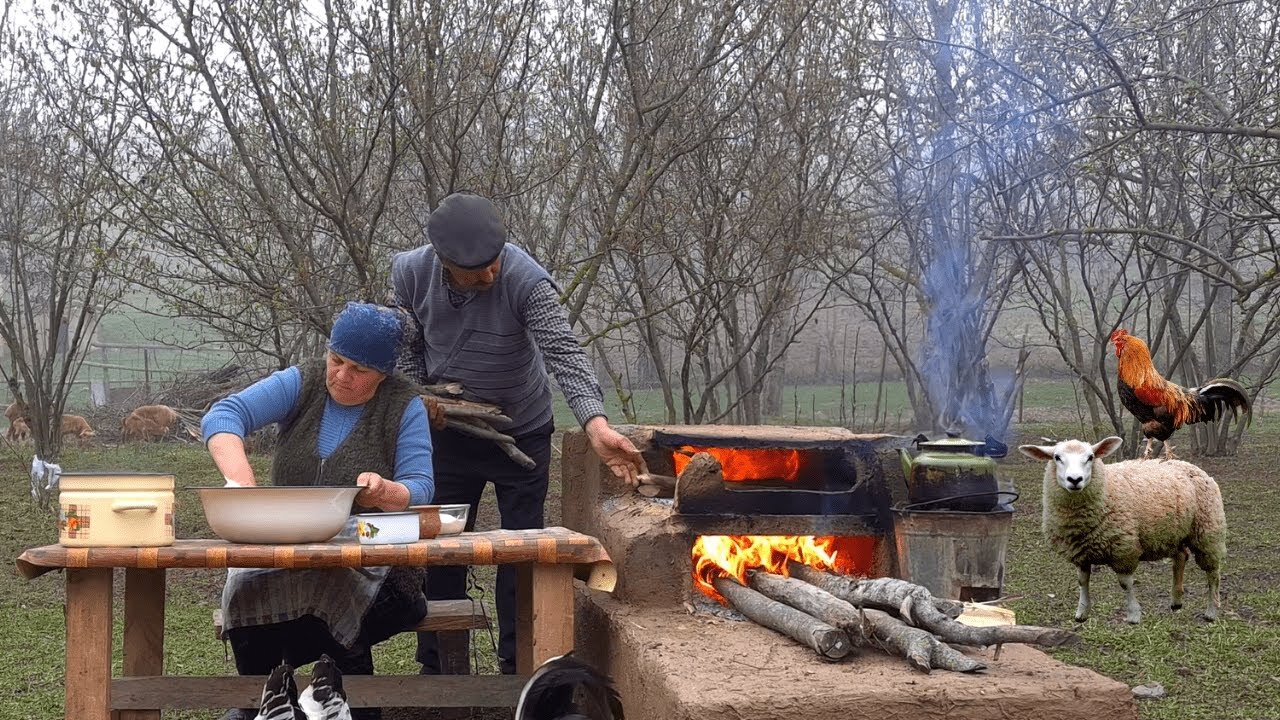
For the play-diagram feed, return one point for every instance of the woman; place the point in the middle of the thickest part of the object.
(344, 420)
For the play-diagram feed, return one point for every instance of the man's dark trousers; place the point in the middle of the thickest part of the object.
(462, 465)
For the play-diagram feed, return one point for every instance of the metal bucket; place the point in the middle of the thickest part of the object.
(955, 554)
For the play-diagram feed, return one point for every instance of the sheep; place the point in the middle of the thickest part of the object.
(1118, 515)
(18, 431)
(16, 414)
(17, 410)
(77, 426)
(149, 421)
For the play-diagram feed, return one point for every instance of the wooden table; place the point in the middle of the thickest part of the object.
(547, 562)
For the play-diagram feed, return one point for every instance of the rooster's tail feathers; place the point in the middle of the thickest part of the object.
(1216, 396)
(549, 693)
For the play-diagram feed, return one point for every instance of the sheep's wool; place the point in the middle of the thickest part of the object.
(1136, 510)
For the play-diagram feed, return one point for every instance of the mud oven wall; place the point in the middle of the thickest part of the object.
(855, 481)
(672, 661)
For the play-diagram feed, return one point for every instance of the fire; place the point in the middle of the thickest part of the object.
(717, 556)
(741, 464)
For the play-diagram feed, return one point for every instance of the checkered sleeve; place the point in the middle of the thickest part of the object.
(412, 359)
(548, 323)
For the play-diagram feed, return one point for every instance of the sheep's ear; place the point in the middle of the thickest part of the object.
(1103, 448)
(1036, 452)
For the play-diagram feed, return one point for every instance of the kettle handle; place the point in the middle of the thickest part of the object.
(907, 462)
(915, 505)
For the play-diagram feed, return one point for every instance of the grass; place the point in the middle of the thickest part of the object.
(1228, 670)
(32, 637)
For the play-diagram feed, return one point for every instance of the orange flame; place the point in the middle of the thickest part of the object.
(717, 556)
(741, 464)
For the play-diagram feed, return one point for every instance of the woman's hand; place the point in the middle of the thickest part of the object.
(616, 450)
(381, 493)
(227, 450)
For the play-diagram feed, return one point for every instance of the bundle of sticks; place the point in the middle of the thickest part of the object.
(832, 614)
(477, 419)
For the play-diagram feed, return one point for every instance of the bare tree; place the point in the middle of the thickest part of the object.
(1150, 236)
(63, 242)
(280, 145)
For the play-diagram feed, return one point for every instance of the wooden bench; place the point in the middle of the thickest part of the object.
(453, 620)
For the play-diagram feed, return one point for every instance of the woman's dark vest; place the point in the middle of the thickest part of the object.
(371, 446)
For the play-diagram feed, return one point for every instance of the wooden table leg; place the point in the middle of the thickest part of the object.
(143, 630)
(88, 644)
(544, 601)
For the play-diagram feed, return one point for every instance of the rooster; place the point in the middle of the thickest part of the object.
(549, 693)
(1162, 406)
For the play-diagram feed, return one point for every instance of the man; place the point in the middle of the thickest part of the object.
(491, 320)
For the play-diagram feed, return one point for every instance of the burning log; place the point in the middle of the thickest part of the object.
(830, 643)
(916, 605)
(866, 627)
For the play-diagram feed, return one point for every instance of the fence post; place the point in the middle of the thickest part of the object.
(106, 382)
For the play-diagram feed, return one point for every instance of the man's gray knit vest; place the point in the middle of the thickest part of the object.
(371, 446)
(483, 344)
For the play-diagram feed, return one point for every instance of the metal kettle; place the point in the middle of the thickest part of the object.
(950, 474)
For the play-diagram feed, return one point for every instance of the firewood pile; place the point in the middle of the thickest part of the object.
(832, 614)
(196, 391)
(476, 419)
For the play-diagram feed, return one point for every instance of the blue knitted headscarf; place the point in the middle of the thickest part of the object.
(368, 334)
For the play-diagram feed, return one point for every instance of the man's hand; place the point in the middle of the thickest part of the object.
(435, 412)
(617, 451)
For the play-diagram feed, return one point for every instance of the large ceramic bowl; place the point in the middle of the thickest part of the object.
(269, 515)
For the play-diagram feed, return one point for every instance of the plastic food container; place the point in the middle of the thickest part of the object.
(115, 509)
(387, 527)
